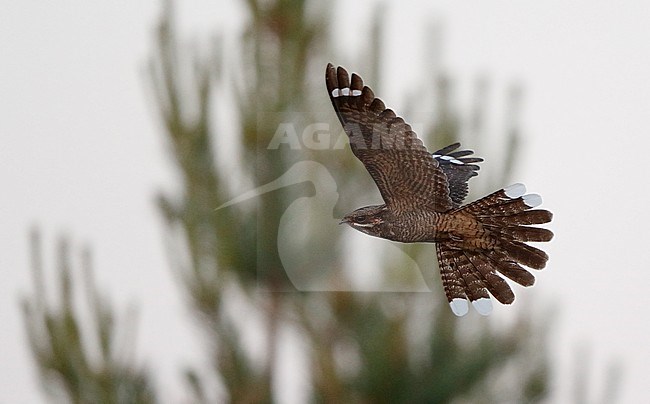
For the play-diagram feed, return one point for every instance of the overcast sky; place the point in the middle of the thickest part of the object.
(81, 155)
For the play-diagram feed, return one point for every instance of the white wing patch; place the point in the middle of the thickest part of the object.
(447, 158)
(345, 92)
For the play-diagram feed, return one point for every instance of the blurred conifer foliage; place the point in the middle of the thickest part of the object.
(360, 346)
(82, 354)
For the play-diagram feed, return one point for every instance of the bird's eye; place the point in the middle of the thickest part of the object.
(362, 219)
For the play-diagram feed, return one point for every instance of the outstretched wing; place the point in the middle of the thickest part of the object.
(407, 175)
(458, 168)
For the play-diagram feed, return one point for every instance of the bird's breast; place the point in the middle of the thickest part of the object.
(434, 227)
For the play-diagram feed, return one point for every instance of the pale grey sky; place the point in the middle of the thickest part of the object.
(81, 154)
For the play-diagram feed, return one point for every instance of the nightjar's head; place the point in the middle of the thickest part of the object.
(367, 220)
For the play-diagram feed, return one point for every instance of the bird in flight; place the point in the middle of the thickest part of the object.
(477, 244)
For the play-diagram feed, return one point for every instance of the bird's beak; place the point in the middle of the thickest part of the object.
(344, 220)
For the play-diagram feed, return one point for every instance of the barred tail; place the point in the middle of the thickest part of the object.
(471, 273)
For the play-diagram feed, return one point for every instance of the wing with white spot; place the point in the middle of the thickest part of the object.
(407, 175)
(458, 168)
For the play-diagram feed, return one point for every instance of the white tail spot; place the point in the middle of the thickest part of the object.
(336, 93)
(532, 200)
(483, 306)
(345, 91)
(515, 190)
(356, 93)
(459, 306)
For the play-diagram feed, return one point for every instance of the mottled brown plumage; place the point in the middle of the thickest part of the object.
(423, 193)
